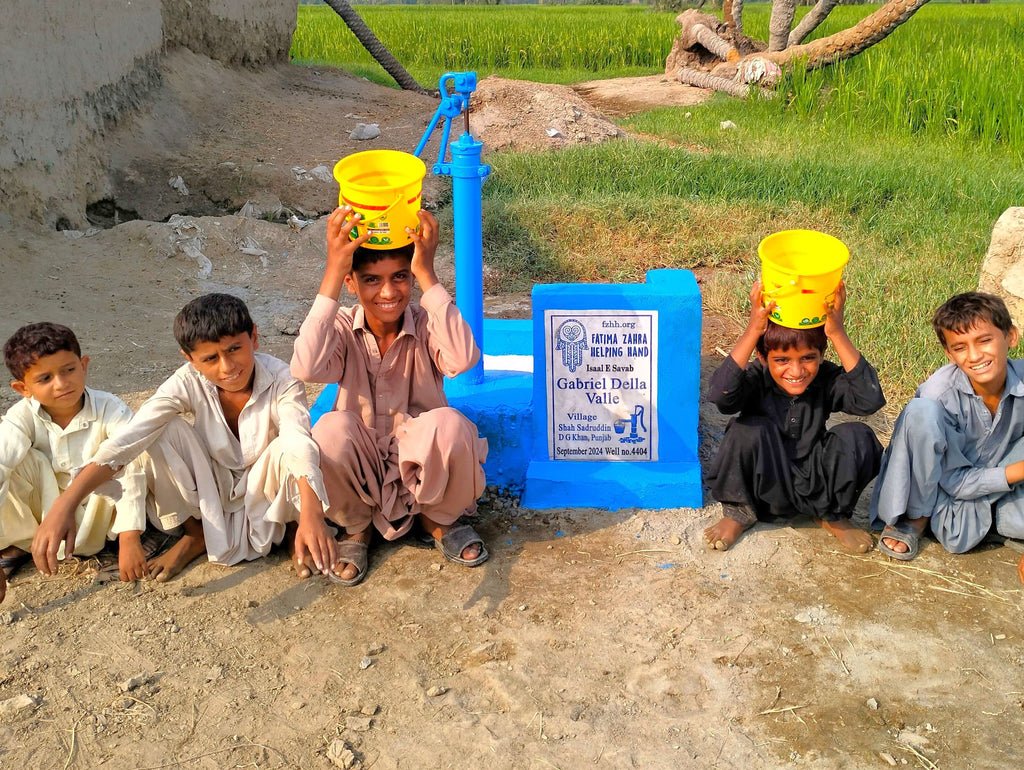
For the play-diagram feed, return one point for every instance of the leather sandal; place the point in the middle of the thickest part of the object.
(456, 540)
(355, 553)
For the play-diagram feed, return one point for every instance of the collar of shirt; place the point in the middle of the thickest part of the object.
(261, 380)
(408, 323)
(85, 417)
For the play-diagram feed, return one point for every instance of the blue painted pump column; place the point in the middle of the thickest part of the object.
(467, 202)
(468, 174)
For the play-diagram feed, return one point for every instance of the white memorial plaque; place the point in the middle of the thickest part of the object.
(602, 375)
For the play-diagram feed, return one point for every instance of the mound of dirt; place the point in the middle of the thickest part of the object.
(519, 115)
(620, 97)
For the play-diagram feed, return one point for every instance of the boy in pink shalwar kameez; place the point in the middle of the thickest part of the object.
(392, 450)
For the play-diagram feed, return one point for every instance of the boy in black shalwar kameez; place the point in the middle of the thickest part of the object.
(777, 459)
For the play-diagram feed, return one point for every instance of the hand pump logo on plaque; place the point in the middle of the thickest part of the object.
(602, 384)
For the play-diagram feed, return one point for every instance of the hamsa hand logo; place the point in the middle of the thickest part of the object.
(571, 339)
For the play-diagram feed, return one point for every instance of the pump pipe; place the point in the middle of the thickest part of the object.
(468, 176)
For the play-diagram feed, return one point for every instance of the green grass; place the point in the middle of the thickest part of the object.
(908, 153)
(552, 44)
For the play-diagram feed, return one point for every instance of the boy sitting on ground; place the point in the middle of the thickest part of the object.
(233, 481)
(46, 437)
(392, 450)
(777, 459)
(956, 458)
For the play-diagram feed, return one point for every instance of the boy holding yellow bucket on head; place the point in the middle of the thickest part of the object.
(392, 452)
(777, 459)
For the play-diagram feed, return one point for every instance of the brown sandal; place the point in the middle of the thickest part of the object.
(355, 553)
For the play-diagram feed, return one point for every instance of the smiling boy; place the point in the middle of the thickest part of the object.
(46, 437)
(392, 451)
(956, 458)
(777, 458)
(232, 481)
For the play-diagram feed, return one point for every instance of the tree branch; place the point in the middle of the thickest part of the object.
(780, 23)
(811, 21)
(850, 42)
(691, 77)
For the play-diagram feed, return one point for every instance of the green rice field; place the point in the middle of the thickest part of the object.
(908, 153)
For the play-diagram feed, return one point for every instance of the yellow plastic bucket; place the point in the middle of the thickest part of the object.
(384, 187)
(800, 270)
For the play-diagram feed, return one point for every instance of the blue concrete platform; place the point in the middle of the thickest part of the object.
(670, 301)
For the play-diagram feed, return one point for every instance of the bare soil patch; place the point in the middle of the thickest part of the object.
(590, 639)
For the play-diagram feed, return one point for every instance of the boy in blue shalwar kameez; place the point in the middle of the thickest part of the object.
(956, 458)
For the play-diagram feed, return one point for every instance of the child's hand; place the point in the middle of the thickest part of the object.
(426, 247)
(759, 312)
(340, 249)
(313, 541)
(834, 312)
(131, 558)
(58, 526)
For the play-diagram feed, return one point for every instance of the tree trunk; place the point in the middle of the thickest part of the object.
(691, 77)
(713, 43)
(374, 46)
(850, 42)
(780, 23)
(810, 22)
(732, 15)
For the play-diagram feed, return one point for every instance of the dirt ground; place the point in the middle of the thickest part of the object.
(590, 639)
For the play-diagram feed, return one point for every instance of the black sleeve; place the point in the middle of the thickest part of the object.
(732, 387)
(858, 391)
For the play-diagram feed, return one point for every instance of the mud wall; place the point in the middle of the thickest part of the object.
(70, 71)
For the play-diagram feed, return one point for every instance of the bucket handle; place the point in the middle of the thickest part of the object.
(398, 199)
(786, 289)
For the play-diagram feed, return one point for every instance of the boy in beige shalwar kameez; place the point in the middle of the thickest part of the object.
(392, 449)
(46, 437)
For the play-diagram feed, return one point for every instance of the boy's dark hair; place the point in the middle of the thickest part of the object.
(210, 317)
(961, 311)
(34, 341)
(777, 337)
(364, 256)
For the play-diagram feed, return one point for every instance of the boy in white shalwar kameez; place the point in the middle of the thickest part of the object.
(46, 437)
(246, 469)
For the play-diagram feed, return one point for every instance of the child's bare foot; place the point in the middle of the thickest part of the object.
(131, 556)
(852, 539)
(722, 535)
(305, 568)
(189, 547)
(736, 519)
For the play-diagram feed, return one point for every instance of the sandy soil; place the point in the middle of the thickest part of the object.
(590, 639)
